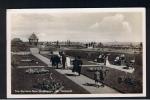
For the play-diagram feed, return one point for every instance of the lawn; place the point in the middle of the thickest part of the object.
(111, 80)
(22, 81)
(112, 77)
(113, 74)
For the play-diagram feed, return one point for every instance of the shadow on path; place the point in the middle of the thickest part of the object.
(91, 84)
(70, 74)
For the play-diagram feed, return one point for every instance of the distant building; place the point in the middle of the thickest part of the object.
(33, 40)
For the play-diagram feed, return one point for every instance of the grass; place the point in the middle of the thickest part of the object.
(112, 77)
(23, 81)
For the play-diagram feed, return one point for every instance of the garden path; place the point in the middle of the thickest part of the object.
(83, 81)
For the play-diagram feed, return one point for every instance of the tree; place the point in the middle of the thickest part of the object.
(68, 42)
(140, 45)
(86, 45)
(57, 43)
(16, 41)
(100, 45)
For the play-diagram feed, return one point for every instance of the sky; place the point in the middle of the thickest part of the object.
(78, 26)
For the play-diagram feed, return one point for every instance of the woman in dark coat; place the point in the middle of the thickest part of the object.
(77, 64)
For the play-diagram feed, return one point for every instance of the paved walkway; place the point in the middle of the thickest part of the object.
(81, 80)
(86, 83)
(43, 59)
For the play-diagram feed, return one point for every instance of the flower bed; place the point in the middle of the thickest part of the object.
(40, 83)
(17, 61)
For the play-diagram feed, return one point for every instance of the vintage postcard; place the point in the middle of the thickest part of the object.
(84, 52)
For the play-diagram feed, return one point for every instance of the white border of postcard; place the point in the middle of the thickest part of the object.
(11, 11)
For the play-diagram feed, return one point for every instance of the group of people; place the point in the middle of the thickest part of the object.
(101, 58)
(63, 59)
(57, 59)
(99, 73)
(120, 60)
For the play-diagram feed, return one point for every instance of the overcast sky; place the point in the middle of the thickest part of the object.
(79, 26)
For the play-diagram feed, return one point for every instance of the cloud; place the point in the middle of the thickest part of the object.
(77, 26)
(112, 24)
(96, 25)
(127, 27)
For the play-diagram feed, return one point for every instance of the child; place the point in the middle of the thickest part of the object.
(97, 77)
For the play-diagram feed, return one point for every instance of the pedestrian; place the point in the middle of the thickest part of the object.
(105, 57)
(117, 60)
(99, 59)
(74, 64)
(63, 60)
(68, 62)
(52, 60)
(101, 71)
(99, 76)
(122, 59)
(56, 60)
(77, 64)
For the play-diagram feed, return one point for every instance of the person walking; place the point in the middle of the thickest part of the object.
(52, 60)
(97, 77)
(63, 60)
(74, 65)
(57, 60)
(77, 65)
(101, 71)
(68, 62)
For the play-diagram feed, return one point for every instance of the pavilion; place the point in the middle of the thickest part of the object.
(33, 40)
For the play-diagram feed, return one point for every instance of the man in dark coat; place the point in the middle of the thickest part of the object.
(52, 60)
(55, 59)
(63, 60)
(77, 64)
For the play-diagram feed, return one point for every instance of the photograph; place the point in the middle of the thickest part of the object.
(76, 52)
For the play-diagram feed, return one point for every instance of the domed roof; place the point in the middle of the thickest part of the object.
(33, 37)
